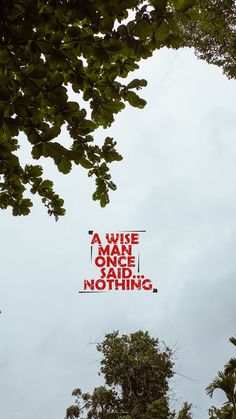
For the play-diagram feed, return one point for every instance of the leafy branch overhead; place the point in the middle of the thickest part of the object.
(47, 46)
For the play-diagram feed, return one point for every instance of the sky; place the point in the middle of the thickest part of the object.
(177, 181)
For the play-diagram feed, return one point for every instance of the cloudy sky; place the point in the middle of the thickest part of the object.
(178, 182)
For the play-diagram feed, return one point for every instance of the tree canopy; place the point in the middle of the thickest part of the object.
(136, 371)
(90, 46)
(225, 381)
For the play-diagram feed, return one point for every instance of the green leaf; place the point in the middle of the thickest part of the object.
(24, 207)
(38, 73)
(112, 186)
(56, 80)
(37, 151)
(12, 126)
(184, 5)
(34, 171)
(87, 126)
(106, 25)
(135, 100)
(65, 165)
(143, 29)
(161, 32)
(33, 49)
(137, 83)
(104, 200)
(59, 96)
(46, 184)
(51, 133)
(122, 30)
(86, 163)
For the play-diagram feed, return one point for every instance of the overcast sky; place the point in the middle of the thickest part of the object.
(178, 182)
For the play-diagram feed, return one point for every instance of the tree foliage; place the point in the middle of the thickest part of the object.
(213, 34)
(136, 372)
(225, 381)
(90, 46)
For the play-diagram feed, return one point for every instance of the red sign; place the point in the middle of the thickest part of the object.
(117, 257)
